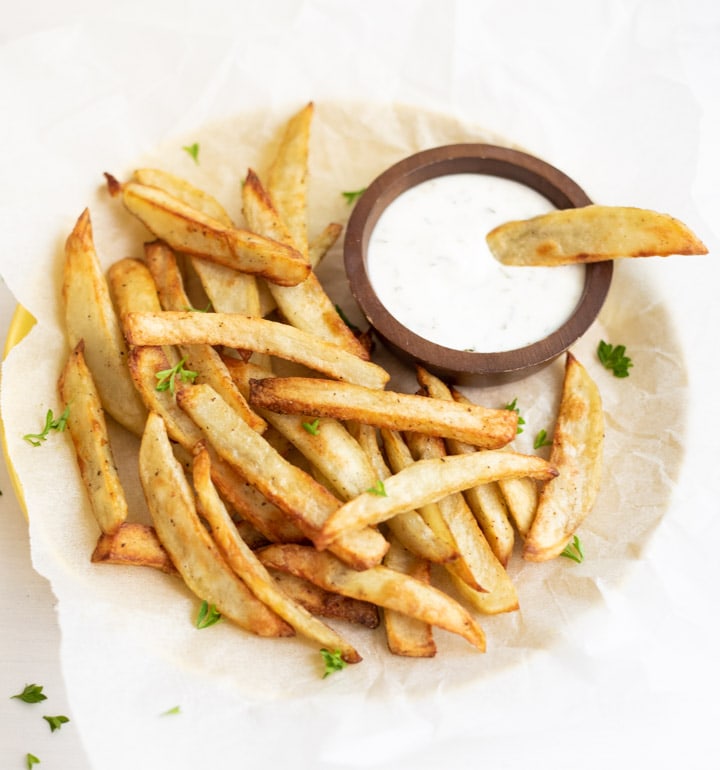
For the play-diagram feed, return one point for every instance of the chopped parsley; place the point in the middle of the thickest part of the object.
(352, 196)
(166, 378)
(333, 661)
(542, 439)
(313, 428)
(193, 150)
(513, 407)
(574, 550)
(207, 616)
(56, 722)
(31, 694)
(613, 357)
(51, 423)
(378, 489)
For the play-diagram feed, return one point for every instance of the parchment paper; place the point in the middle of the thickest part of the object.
(129, 632)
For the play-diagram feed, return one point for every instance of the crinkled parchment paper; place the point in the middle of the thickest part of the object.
(128, 633)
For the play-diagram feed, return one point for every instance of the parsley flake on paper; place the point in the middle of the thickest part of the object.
(56, 722)
(513, 407)
(193, 150)
(574, 550)
(51, 423)
(30, 760)
(31, 694)
(613, 357)
(542, 439)
(207, 616)
(333, 661)
(352, 195)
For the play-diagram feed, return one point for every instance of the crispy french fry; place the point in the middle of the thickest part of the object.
(591, 234)
(90, 316)
(308, 503)
(245, 333)
(202, 359)
(287, 178)
(327, 604)
(132, 287)
(192, 232)
(195, 556)
(379, 585)
(133, 544)
(246, 565)
(478, 574)
(577, 453)
(428, 481)
(306, 305)
(485, 501)
(487, 428)
(325, 442)
(88, 431)
(408, 636)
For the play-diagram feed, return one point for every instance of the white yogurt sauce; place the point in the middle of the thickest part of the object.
(430, 266)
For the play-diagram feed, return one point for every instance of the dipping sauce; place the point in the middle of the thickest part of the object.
(429, 264)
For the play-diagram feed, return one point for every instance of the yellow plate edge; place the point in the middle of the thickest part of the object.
(20, 324)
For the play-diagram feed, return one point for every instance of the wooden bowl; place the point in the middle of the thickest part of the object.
(463, 367)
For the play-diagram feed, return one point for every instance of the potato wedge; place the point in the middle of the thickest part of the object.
(408, 636)
(260, 335)
(308, 503)
(132, 287)
(88, 431)
(306, 305)
(379, 585)
(487, 428)
(428, 481)
(246, 565)
(133, 544)
(195, 556)
(591, 234)
(90, 316)
(577, 454)
(192, 232)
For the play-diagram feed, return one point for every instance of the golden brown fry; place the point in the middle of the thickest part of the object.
(487, 428)
(327, 604)
(202, 359)
(408, 636)
(246, 565)
(306, 305)
(485, 501)
(195, 556)
(133, 544)
(245, 333)
(308, 503)
(90, 316)
(577, 453)
(428, 481)
(591, 234)
(88, 431)
(287, 179)
(379, 585)
(132, 287)
(192, 232)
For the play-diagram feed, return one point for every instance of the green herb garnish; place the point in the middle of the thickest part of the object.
(542, 439)
(56, 722)
(352, 196)
(166, 378)
(574, 550)
(51, 423)
(207, 616)
(312, 427)
(513, 407)
(378, 489)
(169, 712)
(614, 358)
(31, 694)
(333, 661)
(31, 760)
(193, 150)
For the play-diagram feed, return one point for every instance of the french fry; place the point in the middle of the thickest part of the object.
(591, 234)
(428, 481)
(577, 453)
(483, 427)
(132, 287)
(246, 333)
(88, 431)
(308, 503)
(323, 242)
(485, 501)
(192, 232)
(326, 443)
(408, 636)
(306, 305)
(379, 585)
(133, 544)
(478, 574)
(287, 178)
(195, 556)
(203, 359)
(246, 565)
(90, 316)
(327, 604)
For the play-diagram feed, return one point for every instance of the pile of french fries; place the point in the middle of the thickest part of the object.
(288, 500)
